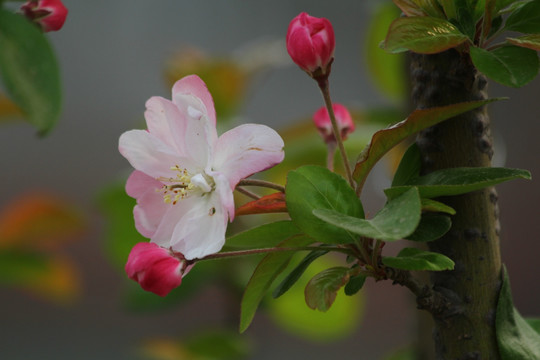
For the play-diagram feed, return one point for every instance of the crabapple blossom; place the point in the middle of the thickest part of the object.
(322, 121)
(50, 15)
(156, 269)
(311, 43)
(185, 174)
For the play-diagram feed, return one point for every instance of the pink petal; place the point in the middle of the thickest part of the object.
(166, 122)
(192, 87)
(138, 183)
(150, 206)
(245, 150)
(201, 231)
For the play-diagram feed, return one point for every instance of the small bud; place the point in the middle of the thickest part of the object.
(345, 123)
(155, 268)
(50, 15)
(311, 43)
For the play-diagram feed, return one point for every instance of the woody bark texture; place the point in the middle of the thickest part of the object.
(465, 327)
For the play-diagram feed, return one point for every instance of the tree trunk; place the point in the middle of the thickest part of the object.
(465, 329)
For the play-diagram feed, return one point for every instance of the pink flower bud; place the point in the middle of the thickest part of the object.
(155, 268)
(345, 123)
(50, 15)
(311, 43)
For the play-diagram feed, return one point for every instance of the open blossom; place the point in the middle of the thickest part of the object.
(311, 43)
(156, 269)
(185, 175)
(345, 123)
(49, 14)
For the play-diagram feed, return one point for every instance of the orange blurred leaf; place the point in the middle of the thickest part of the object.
(273, 203)
(38, 221)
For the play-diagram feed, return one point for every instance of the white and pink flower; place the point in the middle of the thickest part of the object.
(185, 174)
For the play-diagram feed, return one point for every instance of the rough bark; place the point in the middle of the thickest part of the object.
(465, 329)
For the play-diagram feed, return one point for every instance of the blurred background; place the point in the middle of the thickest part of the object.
(66, 225)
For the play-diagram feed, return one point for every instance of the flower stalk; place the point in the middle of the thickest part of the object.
(325, 91)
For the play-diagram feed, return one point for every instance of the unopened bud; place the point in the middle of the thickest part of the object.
(156, 269)
(322, 121)
(311, 43)
(50, 15)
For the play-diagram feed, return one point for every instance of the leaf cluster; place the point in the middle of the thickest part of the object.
(472, 27)
(326, 216)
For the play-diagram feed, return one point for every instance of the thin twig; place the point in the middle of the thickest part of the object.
(247, 193)
(261, 183)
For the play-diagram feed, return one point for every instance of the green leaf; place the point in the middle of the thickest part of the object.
(419, 260)
(525, 19)
(409, 7)
(534, 323)
(263, 277)
(314, 187)
(424, 35)
(29, 70)
(430, 205)
(508, 65)
(218, 345)
(385, 69)
(409, 166)
(321, 290)
(515, 337)
(384, 140)
(355, 284)
(431, 8)
(457, 181)
(297, 272)
(431, 227)
(264, 236)
(527, 41)
(291, 313)
(396, 220)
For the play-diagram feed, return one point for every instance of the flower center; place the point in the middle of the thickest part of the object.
(184, 185)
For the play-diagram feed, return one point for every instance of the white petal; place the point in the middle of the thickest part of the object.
(148, 154)
(166, 122)
(171, 218)
(201, 231)
(200, 139)
(223, 189)
(245, 150)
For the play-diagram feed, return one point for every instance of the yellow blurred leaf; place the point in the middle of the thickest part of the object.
(164, 349)
(8, 109)
(226, 80)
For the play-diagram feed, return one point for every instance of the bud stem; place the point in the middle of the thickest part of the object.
(331, 151)
(325, 91)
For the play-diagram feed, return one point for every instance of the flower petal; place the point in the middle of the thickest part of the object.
(245, 150)
(150, 206)
(201, 231)
(225, 192)
(192, 91)
(172, 216)
(166, 122)
(202, 138)
(146, 153)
